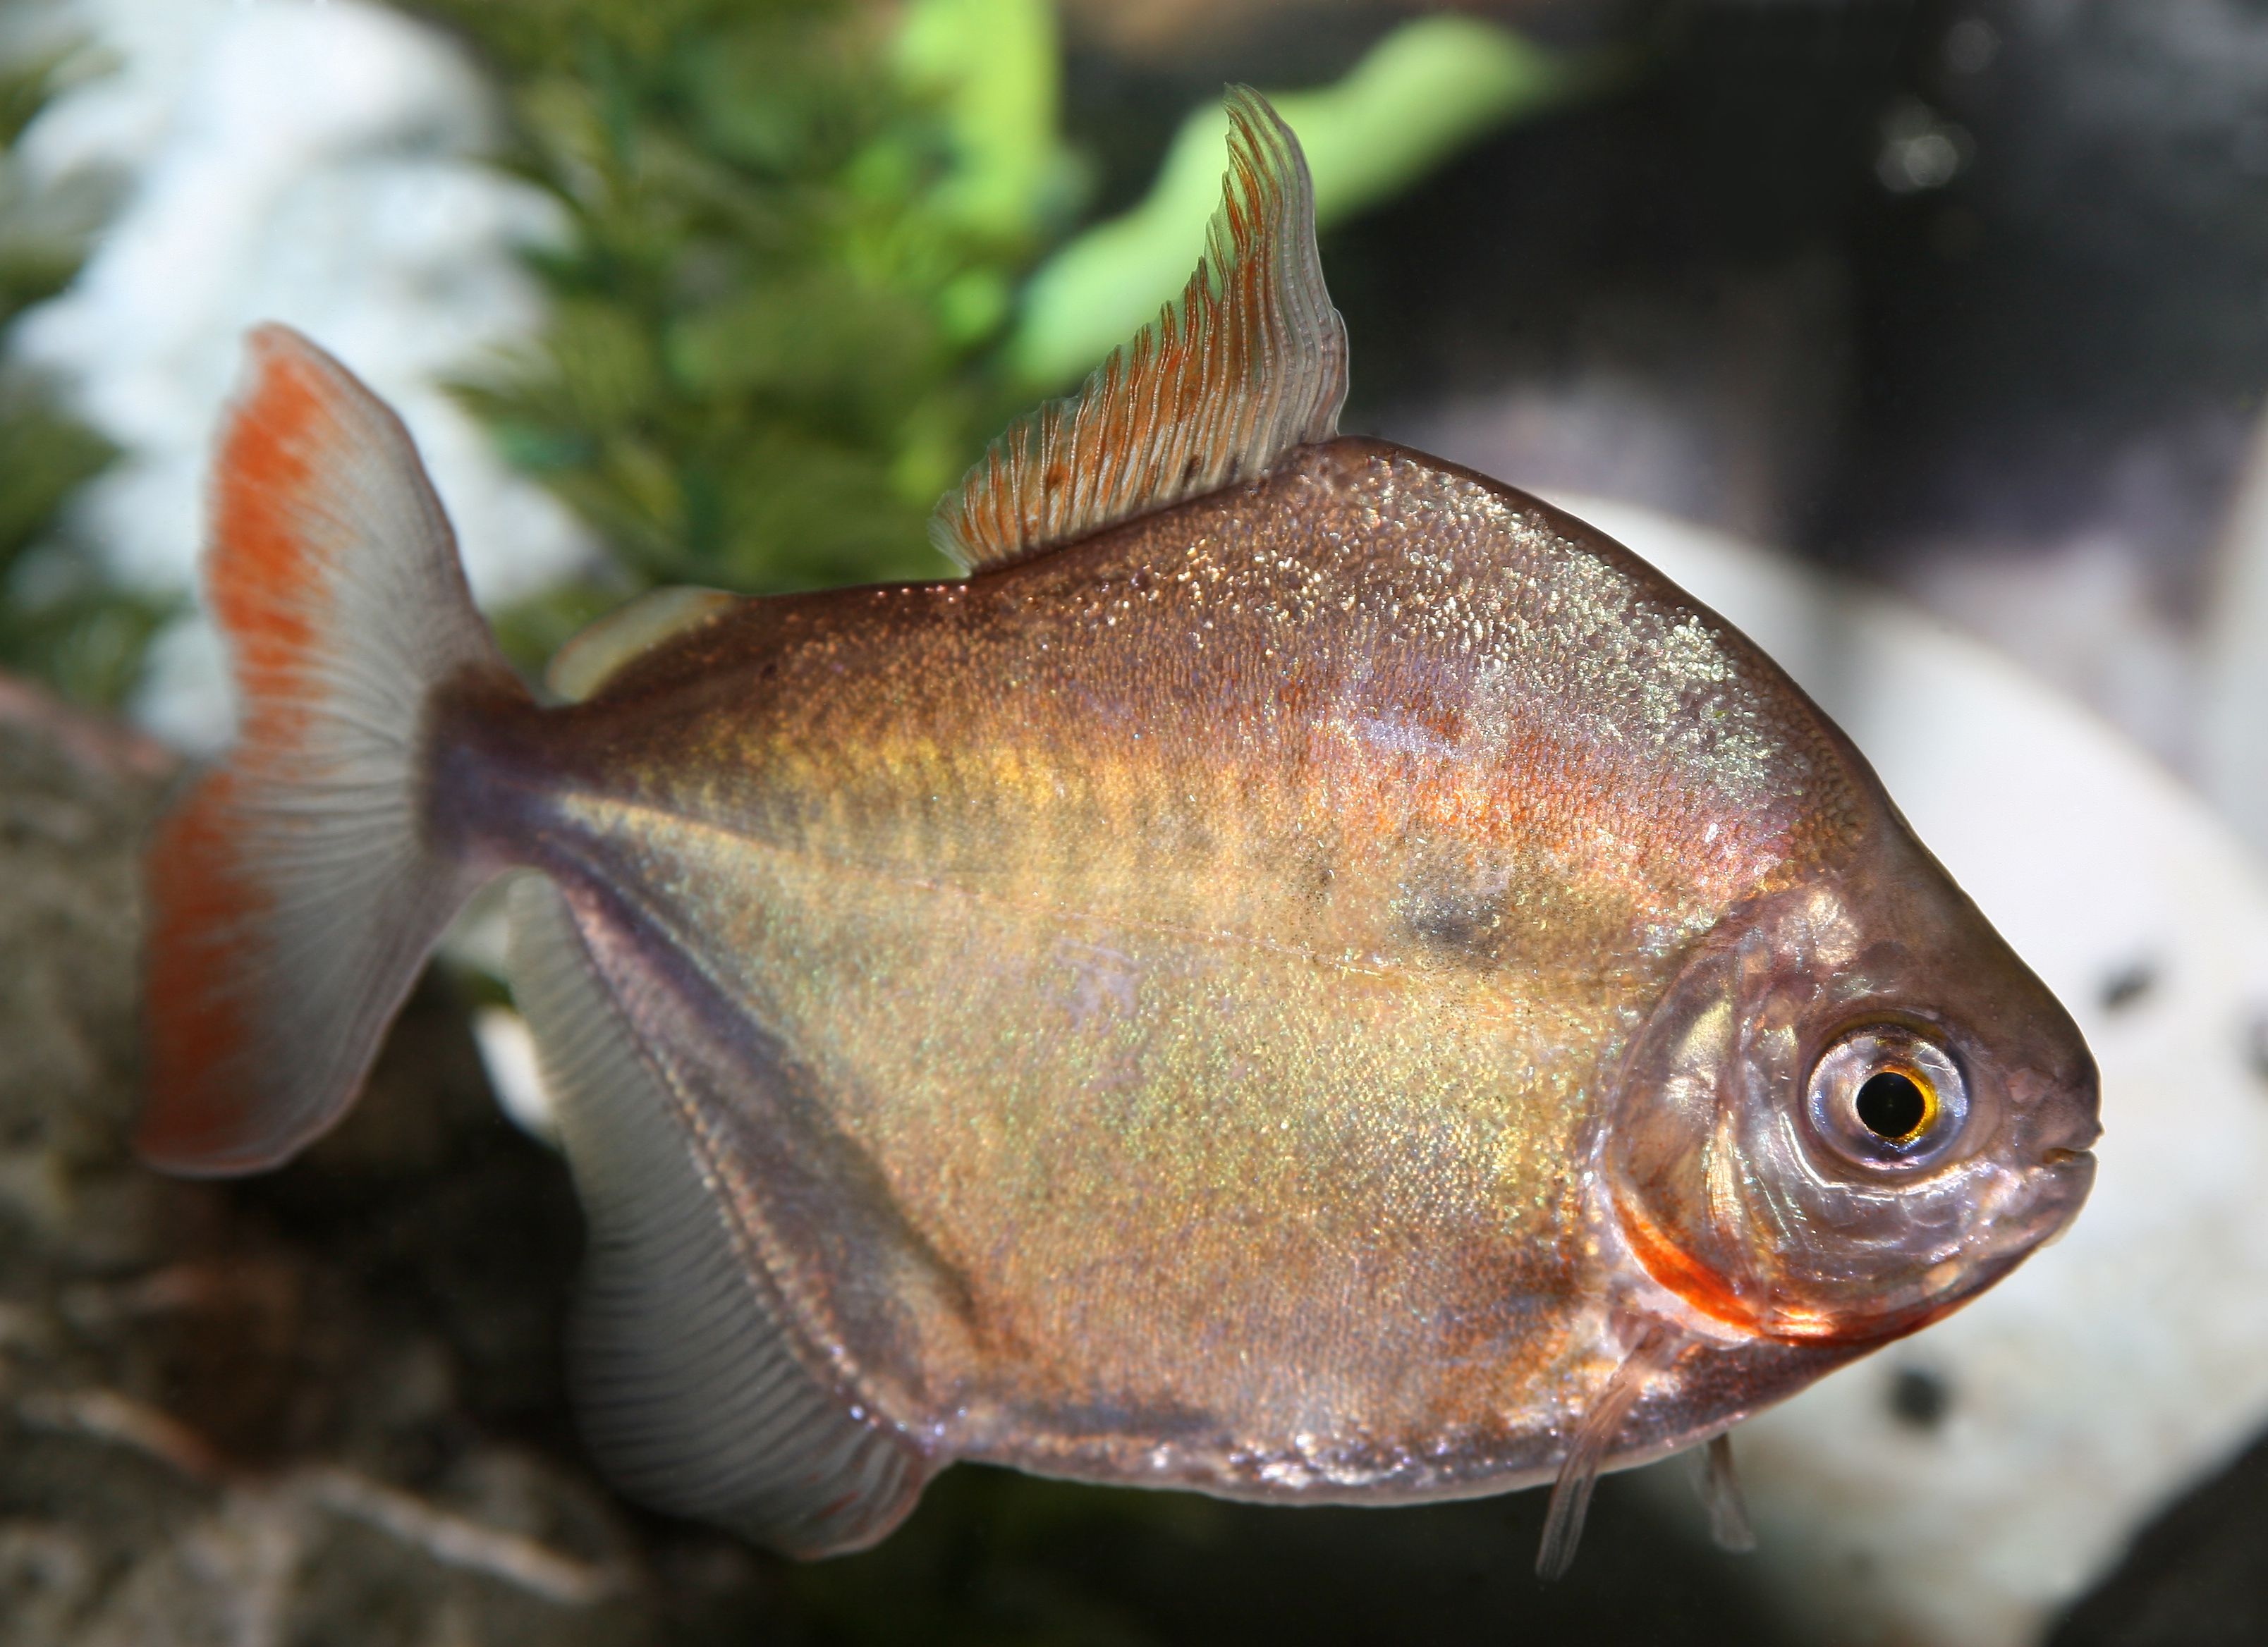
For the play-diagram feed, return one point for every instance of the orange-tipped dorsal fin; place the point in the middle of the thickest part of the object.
(1250, 363)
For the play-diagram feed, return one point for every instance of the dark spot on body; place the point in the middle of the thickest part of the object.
(1919, 1399)
(2129, 984)
(1464, 919)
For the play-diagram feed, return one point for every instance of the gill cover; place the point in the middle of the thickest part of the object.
(1740, 1186)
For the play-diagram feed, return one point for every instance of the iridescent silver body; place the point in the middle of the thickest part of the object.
(1190, 983)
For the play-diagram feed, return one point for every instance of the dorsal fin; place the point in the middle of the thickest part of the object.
(1249, 364)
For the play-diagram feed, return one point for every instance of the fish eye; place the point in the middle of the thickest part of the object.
(1895, 1106)
(1885, 1095)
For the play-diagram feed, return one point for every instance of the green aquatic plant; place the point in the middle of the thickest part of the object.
(818, 251)
(61, 620)
(794, 232)
(1423, 92)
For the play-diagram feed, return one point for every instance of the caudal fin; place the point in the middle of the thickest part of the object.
(293, 891)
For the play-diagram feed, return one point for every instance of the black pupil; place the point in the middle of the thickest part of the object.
(1891, 1106)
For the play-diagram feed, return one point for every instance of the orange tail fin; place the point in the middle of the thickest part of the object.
(293, 891)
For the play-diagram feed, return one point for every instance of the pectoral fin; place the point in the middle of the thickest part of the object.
(1721, 1490)
(694, 1395)
(1657, 1346)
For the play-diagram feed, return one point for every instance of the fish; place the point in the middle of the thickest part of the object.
(1306, 975)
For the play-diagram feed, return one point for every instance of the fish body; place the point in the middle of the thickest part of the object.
(1213, 940)
(1309, 975)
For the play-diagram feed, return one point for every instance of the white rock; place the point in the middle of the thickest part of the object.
(507, 1049)
(2233, 735)
(315, 164)
(2130, 1358)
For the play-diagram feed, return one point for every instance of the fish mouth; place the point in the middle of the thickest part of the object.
(2068, 1149)
(2060, 1185)
(2064, 1166)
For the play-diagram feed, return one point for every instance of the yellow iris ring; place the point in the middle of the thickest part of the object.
(1922, 1084)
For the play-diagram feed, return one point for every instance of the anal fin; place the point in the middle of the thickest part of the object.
(692, 1392)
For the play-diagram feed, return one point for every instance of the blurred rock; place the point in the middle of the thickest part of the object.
(1964, 293)
(2232, 733)
(2193, 1578)
(321, 1407)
